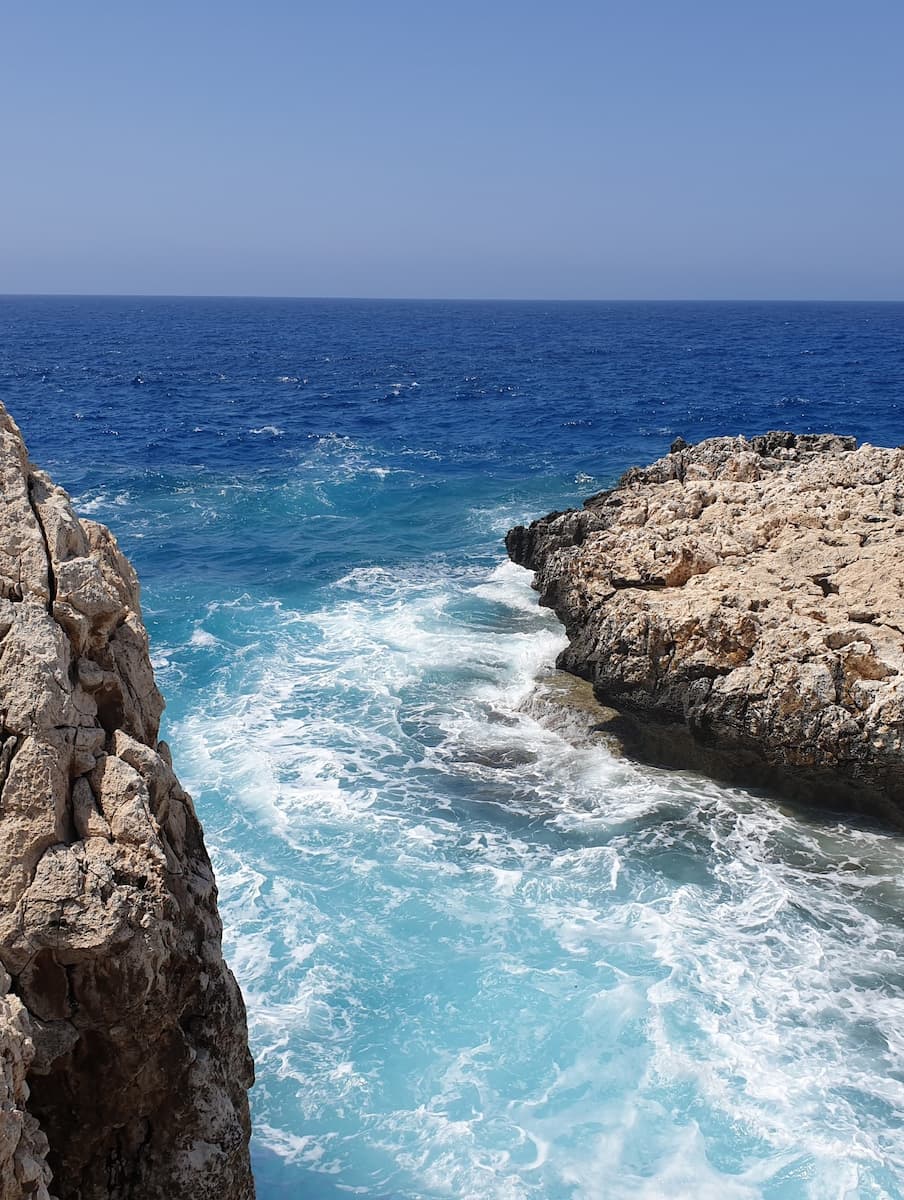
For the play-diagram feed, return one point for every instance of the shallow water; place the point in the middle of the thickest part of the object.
(482, 957)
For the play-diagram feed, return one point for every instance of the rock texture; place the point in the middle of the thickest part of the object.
(124, 1061)
(741, 603)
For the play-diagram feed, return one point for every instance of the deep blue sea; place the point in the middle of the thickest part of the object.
(482, 959)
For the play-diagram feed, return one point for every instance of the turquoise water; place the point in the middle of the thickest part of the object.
(482, 958)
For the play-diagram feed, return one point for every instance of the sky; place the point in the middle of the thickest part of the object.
(645, 149)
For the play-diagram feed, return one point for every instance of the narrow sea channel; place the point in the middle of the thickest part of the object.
(482, 957)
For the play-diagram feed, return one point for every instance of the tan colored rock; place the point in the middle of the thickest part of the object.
(742, 604)
(124, 1063)
(23, 1145)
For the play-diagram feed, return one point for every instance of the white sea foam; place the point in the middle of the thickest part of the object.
(201, 637)
(500, 518)
(92, 503)
(336, 458)
(484, 960)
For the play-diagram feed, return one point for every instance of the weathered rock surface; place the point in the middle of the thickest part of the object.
(124, 1062)
(741, 603)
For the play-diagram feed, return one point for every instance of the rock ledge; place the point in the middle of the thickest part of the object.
(124, 1062)
(741, 603)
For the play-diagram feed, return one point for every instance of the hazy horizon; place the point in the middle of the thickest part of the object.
(455, 299)
(479, 152)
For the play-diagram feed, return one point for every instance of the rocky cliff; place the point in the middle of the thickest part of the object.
(741, 604)
(124, 1062)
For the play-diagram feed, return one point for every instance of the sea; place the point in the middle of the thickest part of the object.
(483, 957)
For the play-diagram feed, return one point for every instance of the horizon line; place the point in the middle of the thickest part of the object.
(448, 299)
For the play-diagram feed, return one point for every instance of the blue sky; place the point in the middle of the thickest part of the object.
(648, 149)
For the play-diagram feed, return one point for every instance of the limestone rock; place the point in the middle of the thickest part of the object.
(23, 1145)
(741, 603)
(124, 1062)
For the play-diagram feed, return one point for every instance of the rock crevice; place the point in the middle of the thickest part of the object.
(124, 1062)
(741, 604)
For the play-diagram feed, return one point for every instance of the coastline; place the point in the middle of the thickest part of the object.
(123, 1041)
(738, 604)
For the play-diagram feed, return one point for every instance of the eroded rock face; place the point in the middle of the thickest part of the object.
(123, 1040)
(742, 604)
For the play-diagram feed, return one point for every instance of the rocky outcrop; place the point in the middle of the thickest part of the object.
(741, 604)
(124, 1062)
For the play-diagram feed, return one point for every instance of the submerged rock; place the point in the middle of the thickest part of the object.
(124, 1062)
(741, 603)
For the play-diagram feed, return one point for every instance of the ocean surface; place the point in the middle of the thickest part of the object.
(482, 958)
